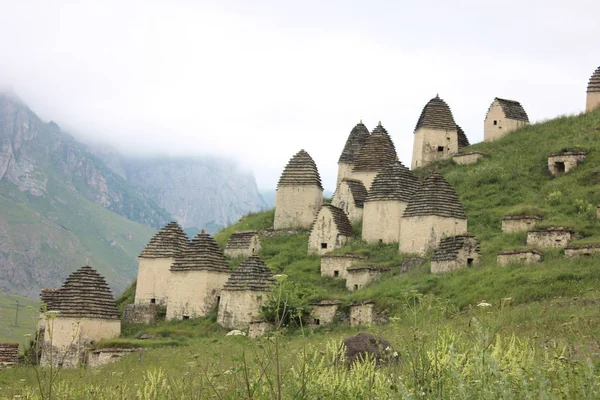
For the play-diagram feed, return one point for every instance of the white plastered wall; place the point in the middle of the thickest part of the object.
(153, 280)
(325, 231)
(502, 126)
(238, 307)
(342, 198)
(426, 144)
(381, 221)
(422, 233)
(194, 293)
(296, 206)
(592, 101)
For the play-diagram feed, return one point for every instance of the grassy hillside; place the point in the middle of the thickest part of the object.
(14, 325)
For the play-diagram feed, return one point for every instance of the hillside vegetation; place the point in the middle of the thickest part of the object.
(484, 332)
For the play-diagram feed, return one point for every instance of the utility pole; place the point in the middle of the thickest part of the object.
(17, 314)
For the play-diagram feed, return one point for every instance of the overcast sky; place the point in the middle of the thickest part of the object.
(259, 80)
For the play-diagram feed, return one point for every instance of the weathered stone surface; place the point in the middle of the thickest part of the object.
(362, 313)
(366, 345)
(582, 250)
(550, 237)
(140, 313)
(503, 116)
(168, 242)
(243, 244)
(455, 252)
(593, 91)
(359, 276)
(323, 312)
(9, 353)
(259, 327)
(335, 265)
(467, 158)
(377, 152)
(350, 196)
(560, 163)
(435, 197)
(202, 253)
(100, 357)
(519, 223)
(355, 141)
(525, 256)
(331, 230)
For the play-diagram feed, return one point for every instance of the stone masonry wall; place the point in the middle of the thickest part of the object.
(382, 221)
(503, 127)
(140, 313)
(527, 257)
(101, 357)
(325, 231)
(426, 144)
(342, 198)
(362, 314)
(583, 250)
(9, 353)
(419, 234)
(519, 225)
(358, 279)
(339, 263)
(251, 250)
(461, 261)
(366, 177)
(297, 206)
(344, 171)
(570, 161)
(238, 307)
(467, 158)
(545, 239)
(194, 293)
(153, 280)
(592, 101)
(323, 314)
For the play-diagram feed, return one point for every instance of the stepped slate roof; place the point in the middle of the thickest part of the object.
(463, 141)
(437, 115)
(358, 190)
(594, 84)
(202, 254)
(435, 197)
(86, 294)
(240, 240)
(377, 152)
(355, 141)
(512, 109)
(340, 219)
(300, 170)
(49, 297)
(166, 243)
(450, 246)
(394, 182)
(252, 275)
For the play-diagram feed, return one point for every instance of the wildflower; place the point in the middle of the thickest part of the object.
(484, 304)
(387, 348)
(395, 354)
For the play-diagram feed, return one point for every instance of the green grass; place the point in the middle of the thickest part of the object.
(26, 319)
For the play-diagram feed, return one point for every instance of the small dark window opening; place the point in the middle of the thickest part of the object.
(559, 167)
(380, 241)
(355, 287)
(317, 321)
(336, 273)
(218, 299)
(323, 245)
(186, 317)
(587, 254)
(495, 122)
(152, 301)
(440, 149)
(469, 262)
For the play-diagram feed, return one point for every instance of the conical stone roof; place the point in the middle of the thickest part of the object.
(240, 240)
(450, 246)
(300, 170)
(253, 274)
(463, 141)
(377, 152)
(202, 254)
(436, 115)
(594, 84)
(358, 190)
(340, 219)
(167, 243)
(50, 297)
(85, 294)
(435, 197)
(355, 141)
(394, 182)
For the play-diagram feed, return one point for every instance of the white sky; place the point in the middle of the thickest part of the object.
(259, 80)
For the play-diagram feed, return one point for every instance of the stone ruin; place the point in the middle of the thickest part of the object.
(556, 237)
(9, 353)
(519, 223)
(437, 136)
(259, 327)
(155, 262)
(323, 312)
(140, 313)
(336, 265)
(83, 312)
(350, 196)
(469, 158)
(503, 117)
(377, 152)
(359, 276)
(101, 357)
(244, 293)
(561, 163)
(242, 244)
(390, 193)
(455, 252)
(331, 230)
(432, 213)
(197, 278)
(362, 313)
(518, 256)
(593, 92)
(409, 263)
(582, 250)
(299, 193)
(357, 138)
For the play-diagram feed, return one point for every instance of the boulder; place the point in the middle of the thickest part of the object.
(365, 345)
(235, 332)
